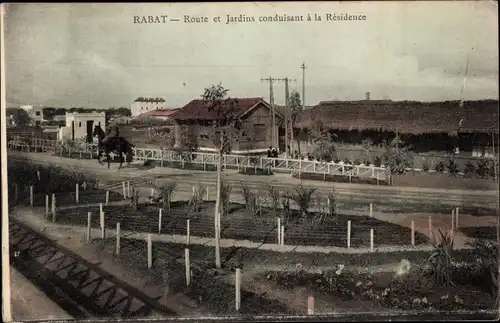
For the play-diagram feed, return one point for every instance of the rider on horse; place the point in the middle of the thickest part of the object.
(112, 132)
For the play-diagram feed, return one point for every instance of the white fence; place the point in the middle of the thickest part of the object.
(286, 165)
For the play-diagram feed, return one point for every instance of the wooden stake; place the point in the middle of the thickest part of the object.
(101, 211)
(430, 226)
(188, 232)
(124, 191)
(349, 234)
(47, 206)
(118, 238)
(150, 251)
(188, 266)
(128, 189)
(107, 198)
(101, 218)
(103, 227)
(31, 196)
(53, 208)
(38, 174)
(208, 193)
(279, 230)
(89, 227)
(77, 197)
(452, 220)
(456, 217)
(371, 210)
(310, 305)
(413, 233)
(282, 235)
(238, 289)
(159, 220)
(84, 186)
(371, 240)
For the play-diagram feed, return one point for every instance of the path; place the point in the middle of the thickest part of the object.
(29, 303)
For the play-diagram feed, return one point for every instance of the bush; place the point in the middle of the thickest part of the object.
(441, 261)
(197, 197)
(440, 167)
(377, 161)
(487, 256)
(255, 171)
(425, 165)
(399, 160)
(356, 162)
(274, 195)
(470, 169)
(166, 193)
(303, 196)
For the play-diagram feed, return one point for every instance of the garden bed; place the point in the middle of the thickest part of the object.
(413, 291)
(440, 180)
(340, 179)
(208, 288)
(255, 171)
(483, 233)
(242, 225)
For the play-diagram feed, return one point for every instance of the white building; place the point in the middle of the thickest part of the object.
(142, 105)
(36, 114)
(81, 125)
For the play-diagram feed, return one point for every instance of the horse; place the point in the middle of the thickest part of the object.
(116, 144)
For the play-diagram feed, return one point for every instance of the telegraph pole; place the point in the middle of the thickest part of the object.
(287, 119)
(271, 80)
(303, 67)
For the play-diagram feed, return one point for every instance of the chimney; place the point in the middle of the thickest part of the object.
(367, 95)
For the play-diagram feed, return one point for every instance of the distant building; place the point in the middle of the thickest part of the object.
(120, 120)
(142, 105)
(159, 114)
(81, 125)
(35, 113)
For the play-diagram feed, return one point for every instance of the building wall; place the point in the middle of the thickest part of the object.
(138, 108)
(35, 113)
(80, 124)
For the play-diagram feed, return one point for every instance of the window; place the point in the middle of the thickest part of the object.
(79, 124)
(260, 132)
(37, 113)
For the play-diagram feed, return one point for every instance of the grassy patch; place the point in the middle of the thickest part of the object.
(255, 171)
(339, 178)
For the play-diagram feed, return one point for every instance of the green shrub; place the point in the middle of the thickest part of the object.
(441, 260)
(303, 197)
(255, 171)
(452, 167)
(439, 166)
(470, 169)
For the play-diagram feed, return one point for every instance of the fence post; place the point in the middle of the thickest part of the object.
(118, 238)
(349, 234)
(378, 178)
(413, 233)
(188, 232)
(456, 217)
(328, 205)
(77, 198)
(310, 305)
(150, 251)
(107, 198)
(101, 211)
(103, 227)
(53, 208)
(31, 196)
(238, 289)
(371, 210)
(38, 174)
(188, 266)
(208, 193)
(371, 240)
(452, 220)
(124, 191)
(279, 230)
(159, 220)
(128, 189)
(84, 186)
(47, 206)
(89, 227)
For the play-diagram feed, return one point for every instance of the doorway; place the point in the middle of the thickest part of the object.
(90, 130)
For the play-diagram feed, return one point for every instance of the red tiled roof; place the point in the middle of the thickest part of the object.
(159, 113)
(404, 116)
(198, 109)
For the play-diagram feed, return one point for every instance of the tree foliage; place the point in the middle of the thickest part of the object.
(325, 141)
(19, 116)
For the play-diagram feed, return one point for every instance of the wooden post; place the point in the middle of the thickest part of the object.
(349, 234)
(282, 236)
(194, 191)
(53, 208)
(128, 189)
(107, 198)
(101, 211)
(456, 217)
(38, 174)
(378, 178)
(413, 233)
(328, 205)
(371, 210)
(101, 217)
(188, 232)
(188, 266)
(371, 240)
(159, 220)
(124, 191)
(208, 193)
(84, 186)
(279, 230)
(77, 197)
(152, 192)
(238, 289)
(31, 195)
(430, 226)
(310, 305)
(47, 206)
(103, 227)
(89, 227)
(118, 238)
(150, 251)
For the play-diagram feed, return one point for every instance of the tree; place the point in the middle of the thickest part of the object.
(124, 112)
(295, 108)
(325, 141)
(225, 109)
(48, 113)
(19, 116)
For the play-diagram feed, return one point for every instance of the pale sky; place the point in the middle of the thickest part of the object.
(93, 55)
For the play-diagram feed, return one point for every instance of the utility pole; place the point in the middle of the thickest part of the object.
(303, 67)
(271, 80)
